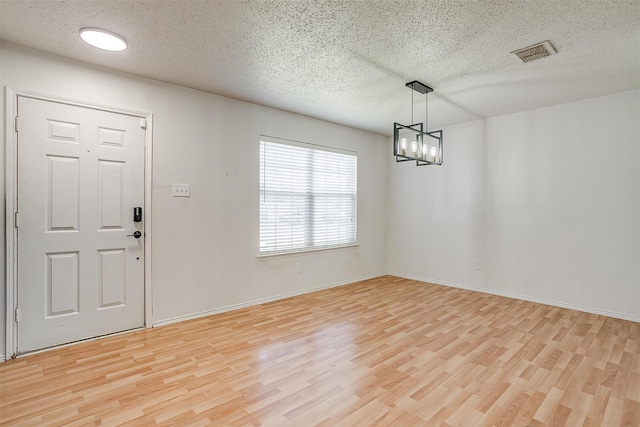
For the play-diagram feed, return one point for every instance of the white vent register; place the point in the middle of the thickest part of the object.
(537, 51)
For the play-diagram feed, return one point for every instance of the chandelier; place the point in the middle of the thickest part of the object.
(415, 142)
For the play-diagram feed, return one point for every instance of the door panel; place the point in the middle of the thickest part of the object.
(61, 193)
(80, 173)
(110, 195)
(112, 276)
(62, 293)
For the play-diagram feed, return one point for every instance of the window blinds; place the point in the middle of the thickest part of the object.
(308, 198)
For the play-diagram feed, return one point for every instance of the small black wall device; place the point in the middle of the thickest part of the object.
(137, 214)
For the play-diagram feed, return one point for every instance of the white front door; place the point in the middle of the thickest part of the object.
(80, 175)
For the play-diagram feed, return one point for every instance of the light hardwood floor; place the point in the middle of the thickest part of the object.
(386, 351)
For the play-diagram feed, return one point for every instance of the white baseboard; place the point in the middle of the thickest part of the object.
(521, 297)
(262, 300)
(2, 359)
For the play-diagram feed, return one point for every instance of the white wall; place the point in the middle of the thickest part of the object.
(563, 204)
(204, 247)
(548, 200)
(435, 212)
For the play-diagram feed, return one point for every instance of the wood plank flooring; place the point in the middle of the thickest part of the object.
(386, 351)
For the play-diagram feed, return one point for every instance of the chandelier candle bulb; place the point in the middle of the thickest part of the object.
(403, 146)
(414, 149)
(433, 154)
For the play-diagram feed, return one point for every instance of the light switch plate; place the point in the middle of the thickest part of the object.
(180, 190)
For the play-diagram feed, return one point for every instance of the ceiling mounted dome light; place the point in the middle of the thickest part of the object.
(103, 39)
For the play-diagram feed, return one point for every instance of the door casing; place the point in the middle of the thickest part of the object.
(11, 180)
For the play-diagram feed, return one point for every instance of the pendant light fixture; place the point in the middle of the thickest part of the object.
(415, 142)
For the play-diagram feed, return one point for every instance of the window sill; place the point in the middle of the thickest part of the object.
(305, 252)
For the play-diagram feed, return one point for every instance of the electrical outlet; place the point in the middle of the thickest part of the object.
(180, 190)
(476, 265)
(299, 267)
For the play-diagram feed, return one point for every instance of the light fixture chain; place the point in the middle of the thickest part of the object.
(411, 107)
(426, 112)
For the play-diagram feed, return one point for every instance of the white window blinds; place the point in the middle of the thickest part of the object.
(308, 197)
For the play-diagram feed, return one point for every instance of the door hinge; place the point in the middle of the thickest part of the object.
(16, 219)
(16, 123)
(17, 314)
(143, 124)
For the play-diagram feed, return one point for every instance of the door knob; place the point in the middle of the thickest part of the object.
(135, 234)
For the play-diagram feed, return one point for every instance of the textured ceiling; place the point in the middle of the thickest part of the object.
(348, 61)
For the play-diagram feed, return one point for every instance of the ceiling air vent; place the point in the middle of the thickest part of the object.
(537, 51)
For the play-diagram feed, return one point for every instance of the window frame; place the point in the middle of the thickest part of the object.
(306, 249)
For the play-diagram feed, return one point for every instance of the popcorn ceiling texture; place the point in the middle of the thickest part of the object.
(348, 61)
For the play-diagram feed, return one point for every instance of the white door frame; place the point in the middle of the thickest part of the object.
(11, 182)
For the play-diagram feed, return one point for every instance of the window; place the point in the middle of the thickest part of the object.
(308, 197)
